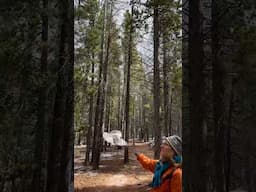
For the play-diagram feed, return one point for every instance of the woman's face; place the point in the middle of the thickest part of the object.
(166, 152)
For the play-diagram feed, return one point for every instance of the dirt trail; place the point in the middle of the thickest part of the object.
(113, 175)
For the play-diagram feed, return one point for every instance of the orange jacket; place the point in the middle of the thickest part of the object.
(173, 185)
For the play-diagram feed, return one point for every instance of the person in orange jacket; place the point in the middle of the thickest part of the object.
(167, 171)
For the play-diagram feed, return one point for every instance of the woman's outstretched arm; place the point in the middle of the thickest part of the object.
(146, 162)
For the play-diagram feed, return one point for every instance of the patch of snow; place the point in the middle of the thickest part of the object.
(78, 167)
(106, 155)
(111, 155)
(79, 146)
(91, 173)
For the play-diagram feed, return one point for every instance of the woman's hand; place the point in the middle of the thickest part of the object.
(134, 151)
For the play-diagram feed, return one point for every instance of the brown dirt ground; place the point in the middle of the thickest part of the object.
(113, 175)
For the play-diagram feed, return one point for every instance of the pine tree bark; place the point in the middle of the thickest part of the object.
(90, 127)
(119, 116)
(170, 113)
(38, 179)
(197, 96)
(156, 83)
(98, 133)
(60, 149)
(107, 107)
(166, 85)
(127, 100)
(40, 117)
(222, 94)
(219, 109)
(97, 128)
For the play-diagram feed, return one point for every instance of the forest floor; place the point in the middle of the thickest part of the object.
(113, 175)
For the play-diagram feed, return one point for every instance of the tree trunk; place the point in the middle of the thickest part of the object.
(98, 139)
(107, 107)
(127, 103)
(119, 121)
(97, 129)
(156, 83)
(141, 119)
(90, 127)
(197, 99)
(170, 112)
(38, 180)
(122, 107)
(145, 127)
(133, 127)
(60, 158)
(166, 85)
(66, 166)
(222, 94)
(37, 88)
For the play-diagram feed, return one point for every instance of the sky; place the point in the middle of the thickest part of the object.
(145, 44)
